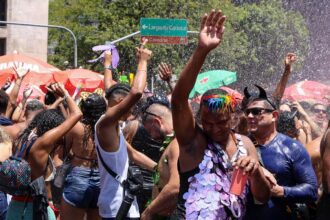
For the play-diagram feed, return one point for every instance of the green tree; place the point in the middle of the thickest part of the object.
(257, 35)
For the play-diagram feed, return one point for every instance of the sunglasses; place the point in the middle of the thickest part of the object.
(257, 111)
(146, 113)
(319, 111)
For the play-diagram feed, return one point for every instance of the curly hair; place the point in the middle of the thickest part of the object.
(42, 122)
(92, 108)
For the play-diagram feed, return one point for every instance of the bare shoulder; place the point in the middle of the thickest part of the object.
(130, 130)
(173, 149)
(77, 130)
(313, 147)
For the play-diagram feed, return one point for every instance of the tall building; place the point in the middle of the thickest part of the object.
(32, 41)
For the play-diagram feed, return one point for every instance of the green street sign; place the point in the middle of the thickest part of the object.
(164, 31)
(163, 27)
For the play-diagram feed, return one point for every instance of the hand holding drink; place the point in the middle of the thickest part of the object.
(238, 181)
(244, 167)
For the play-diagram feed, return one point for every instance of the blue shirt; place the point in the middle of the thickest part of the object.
(291, 165)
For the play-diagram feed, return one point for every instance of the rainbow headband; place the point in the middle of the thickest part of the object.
(219, 103)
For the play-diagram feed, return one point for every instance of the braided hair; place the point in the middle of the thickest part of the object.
(92, 108)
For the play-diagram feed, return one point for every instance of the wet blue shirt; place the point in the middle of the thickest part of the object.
(291, 165)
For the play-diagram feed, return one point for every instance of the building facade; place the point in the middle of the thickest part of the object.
(27, 40)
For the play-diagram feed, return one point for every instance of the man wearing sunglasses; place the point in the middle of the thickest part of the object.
(148, 137)
(282, 156)
(319, 115)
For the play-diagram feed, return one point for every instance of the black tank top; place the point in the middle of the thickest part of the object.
(143, 143)
(184, 186)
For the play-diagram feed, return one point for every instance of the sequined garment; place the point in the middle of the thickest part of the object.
(208, 195)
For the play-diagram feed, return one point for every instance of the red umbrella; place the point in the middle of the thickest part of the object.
(307, 90)
(23, 61)
(5, 75)
(31, 79)
(35, 80)
(88, 80)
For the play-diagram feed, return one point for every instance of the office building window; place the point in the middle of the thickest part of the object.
(2, 46)
(3, 11)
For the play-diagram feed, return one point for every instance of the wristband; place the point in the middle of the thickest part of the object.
(65, 97)
(109, 67)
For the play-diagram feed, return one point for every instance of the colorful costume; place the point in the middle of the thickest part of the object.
(208, 195)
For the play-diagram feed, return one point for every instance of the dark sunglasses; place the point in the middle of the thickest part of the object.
(257, 111)
(319, 111)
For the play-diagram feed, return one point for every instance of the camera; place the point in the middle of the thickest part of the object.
(132, 186)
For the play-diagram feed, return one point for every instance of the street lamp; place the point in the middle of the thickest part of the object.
(75, 55)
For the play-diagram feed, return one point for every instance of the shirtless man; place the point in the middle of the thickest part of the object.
(166, 189)
(313, 149)
(149, 137)
(208, 154)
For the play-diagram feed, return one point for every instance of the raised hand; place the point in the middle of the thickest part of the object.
(165, 71)
(142, 53)
(58, 89)
(27, 92)
(289, 60)
(211, 30)
(21, 72)
(296, 105)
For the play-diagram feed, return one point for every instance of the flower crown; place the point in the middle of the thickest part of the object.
(219, 102)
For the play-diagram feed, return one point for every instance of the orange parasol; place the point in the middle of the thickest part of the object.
(23, 61)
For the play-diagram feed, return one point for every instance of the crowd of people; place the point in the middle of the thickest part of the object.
(127, 154)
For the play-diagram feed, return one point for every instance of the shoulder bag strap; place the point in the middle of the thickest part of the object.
(110, 171)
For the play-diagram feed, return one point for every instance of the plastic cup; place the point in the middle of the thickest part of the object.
(238, 182)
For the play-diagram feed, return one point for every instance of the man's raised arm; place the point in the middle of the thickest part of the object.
(211, 31)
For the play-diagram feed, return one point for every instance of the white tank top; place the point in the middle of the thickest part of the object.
(111, 194)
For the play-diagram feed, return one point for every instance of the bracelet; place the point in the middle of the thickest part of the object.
(65, 97)
(109, 67)
(141, 71)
